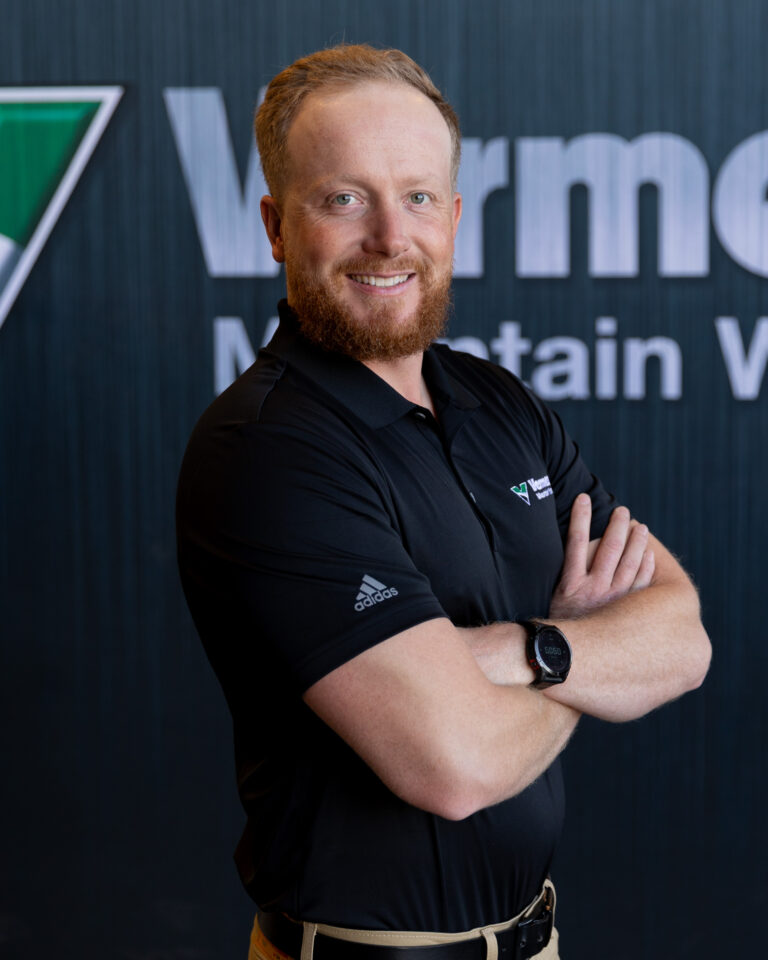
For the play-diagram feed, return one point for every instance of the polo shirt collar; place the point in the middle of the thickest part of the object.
(360, 389)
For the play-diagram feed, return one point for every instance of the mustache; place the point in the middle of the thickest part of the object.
(365, 265)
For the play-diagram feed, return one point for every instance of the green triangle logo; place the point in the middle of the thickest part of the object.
(47, 137)
(521, 490)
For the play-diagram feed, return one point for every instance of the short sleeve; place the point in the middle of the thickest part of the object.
(293, 534)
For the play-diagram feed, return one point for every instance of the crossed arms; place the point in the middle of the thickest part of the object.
(446, 716)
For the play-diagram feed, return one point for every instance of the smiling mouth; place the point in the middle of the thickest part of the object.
(374, 281)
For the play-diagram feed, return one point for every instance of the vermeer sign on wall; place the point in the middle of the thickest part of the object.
(613, 251)
(47, 136)
(611, 168)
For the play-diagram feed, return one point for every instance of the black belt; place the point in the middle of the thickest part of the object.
(526, 939)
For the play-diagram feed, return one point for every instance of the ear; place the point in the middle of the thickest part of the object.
(273, 225)
(456, 212)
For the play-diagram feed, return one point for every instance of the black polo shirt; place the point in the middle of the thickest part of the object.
(319, 513)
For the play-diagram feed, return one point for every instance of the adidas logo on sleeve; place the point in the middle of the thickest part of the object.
(372, 591)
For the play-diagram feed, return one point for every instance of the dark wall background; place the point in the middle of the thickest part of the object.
(119, 808)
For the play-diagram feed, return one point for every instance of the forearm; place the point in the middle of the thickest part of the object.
(635, 653)
(629, 656)
(422, 715)
(516, 744)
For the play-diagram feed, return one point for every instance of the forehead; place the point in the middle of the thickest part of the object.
(372, 124)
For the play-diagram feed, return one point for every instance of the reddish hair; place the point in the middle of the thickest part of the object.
(343, 65)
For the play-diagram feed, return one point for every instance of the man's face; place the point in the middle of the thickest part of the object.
(367, 220)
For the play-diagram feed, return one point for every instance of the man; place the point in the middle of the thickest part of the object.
(367, 525)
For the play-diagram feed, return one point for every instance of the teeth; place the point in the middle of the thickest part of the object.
(380, 281)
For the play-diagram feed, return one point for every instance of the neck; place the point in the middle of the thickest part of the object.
(404, 375)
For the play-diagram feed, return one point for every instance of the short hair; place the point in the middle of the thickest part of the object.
(342, 65)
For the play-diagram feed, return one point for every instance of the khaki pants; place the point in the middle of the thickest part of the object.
(262, 949)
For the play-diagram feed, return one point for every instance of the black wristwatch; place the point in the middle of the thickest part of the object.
(548, 652)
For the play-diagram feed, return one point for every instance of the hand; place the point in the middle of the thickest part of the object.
(597, 573)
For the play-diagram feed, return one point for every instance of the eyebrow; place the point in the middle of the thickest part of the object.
(353, 180)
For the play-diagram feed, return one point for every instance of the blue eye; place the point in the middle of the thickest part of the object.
(343, 200)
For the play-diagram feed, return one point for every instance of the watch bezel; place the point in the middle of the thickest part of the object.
(545, 675)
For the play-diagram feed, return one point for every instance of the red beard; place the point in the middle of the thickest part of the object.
(325, 320)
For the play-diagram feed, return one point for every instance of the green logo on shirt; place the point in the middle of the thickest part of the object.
(522, 492)
(542, 488)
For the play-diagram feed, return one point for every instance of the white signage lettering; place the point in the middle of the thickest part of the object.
(227, 216)
(564, 369)
(546, 168)
(636, 355)
(232, 350)
(483, 169)
(612, 170)
(745, 367)
(739, 207)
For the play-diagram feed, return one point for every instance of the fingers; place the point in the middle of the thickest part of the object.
(632, 557)
(611, 549)
(647, 569)
(598, 573)
(577, 544)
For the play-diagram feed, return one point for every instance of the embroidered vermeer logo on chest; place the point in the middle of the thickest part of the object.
(540, 488)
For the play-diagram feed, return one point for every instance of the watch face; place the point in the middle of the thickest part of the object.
(554, 650)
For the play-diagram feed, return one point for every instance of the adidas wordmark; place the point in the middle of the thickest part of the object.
(372, 591)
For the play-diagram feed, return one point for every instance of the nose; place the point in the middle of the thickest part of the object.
(386, 234)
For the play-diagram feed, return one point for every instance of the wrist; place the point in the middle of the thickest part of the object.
(548, 653)
(522, 673)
